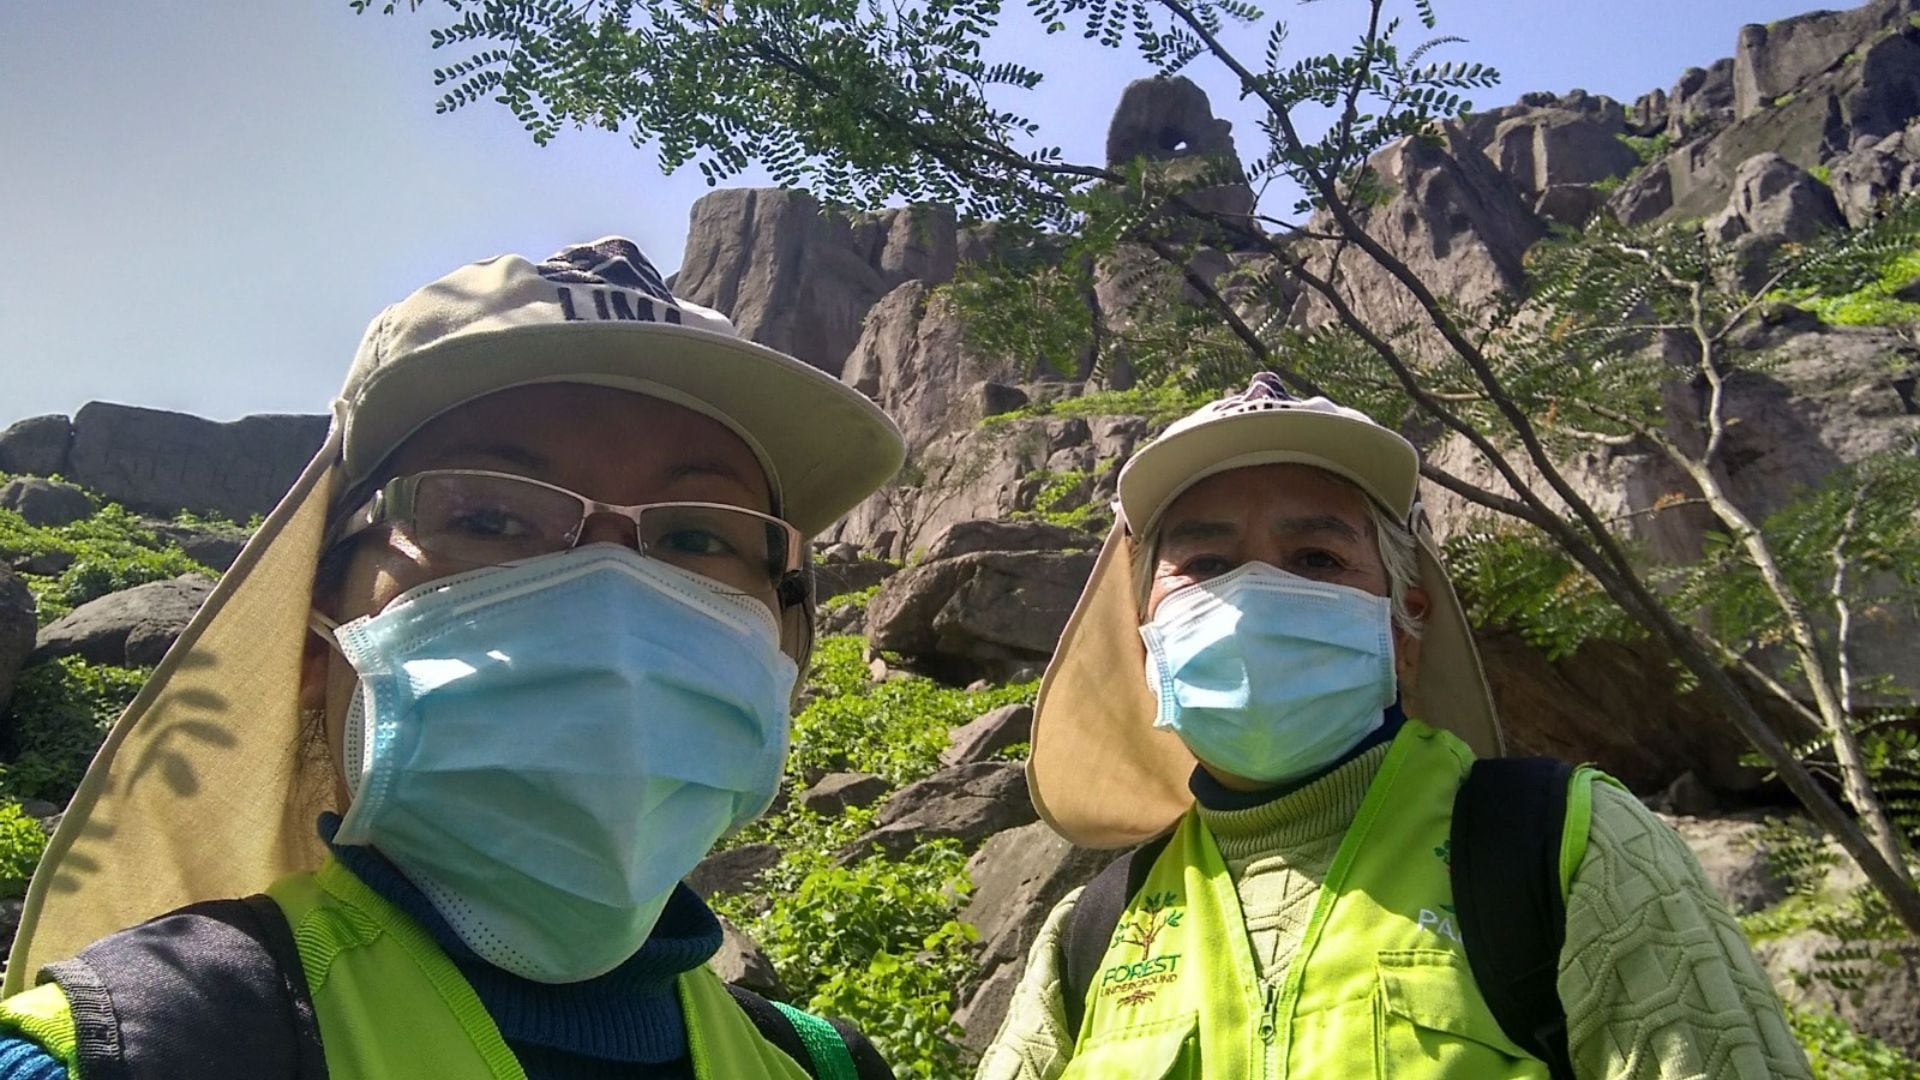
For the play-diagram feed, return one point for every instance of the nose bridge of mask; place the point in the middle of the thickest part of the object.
(1196, 600)
(598, 605)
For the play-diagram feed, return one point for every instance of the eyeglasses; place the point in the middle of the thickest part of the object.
(487, 518)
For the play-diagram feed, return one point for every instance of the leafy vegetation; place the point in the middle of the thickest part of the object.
(60, 711)
(1065, 499)
(21, 842)
(1157, 404)
(1837, 1052)
(1873, 303)
(1648, 148)
(856, 600)
(878, 942)
(105, 553)
(895, 728)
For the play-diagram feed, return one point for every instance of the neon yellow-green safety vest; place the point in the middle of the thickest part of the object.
(390, 1003)
(1379, 985)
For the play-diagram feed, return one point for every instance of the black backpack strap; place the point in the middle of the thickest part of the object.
(1504, 851)
(776, 1026)
(213, 991)
(1095, 915)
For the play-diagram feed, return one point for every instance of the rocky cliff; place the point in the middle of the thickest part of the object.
(962, 573)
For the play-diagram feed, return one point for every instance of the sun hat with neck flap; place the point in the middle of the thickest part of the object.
(1100, 773)
(205, 787)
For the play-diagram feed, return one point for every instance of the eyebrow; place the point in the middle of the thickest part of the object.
(505, 452)
(1198, 531)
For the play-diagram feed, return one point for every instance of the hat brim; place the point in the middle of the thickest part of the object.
(830, 446)
(1383, 464)
(205, 786)
(1104, 777)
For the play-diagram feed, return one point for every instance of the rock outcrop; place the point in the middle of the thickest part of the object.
(165, 462)
(18, 628)
(36, 446)
(130, 627)
(801, 280)
(40, 501)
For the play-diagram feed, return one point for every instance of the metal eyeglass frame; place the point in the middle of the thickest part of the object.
(392, 503)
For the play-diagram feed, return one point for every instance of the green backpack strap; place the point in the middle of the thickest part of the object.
(831, 1060)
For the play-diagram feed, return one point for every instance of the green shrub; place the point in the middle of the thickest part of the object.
(894, 729)
(1158, 404)
(1837, 1052)
(1063, 499)
(112, 550)
(1648, 148)
(1873, 304)
(60, 712)
(879, 943)
(856, 600)
(21, 842)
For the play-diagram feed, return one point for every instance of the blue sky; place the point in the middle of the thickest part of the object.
(203, 202)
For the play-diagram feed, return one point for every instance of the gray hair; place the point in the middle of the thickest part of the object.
(1399, 556)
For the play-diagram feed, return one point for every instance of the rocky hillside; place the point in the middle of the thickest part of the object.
(902, 876)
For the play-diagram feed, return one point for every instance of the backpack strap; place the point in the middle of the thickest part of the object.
(1095, 916)
(828, 1050)
(214, 991)
(1512, 855)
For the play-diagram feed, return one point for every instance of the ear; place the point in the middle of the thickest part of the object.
(1406, 647)
(315, 658)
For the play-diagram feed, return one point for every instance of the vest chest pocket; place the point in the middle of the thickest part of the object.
(1158, 1050)
(1430, 1022)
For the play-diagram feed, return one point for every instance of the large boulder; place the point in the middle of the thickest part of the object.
(1871, 89)
(46, 502)
(1774, 60)
(214, 544)
(1773, 197)
(993, 614)
(1168, 121)
(1546, 148)
(740, 962)
(735, 870)
(1018, 876)
(1701, 101)
(164, 462)
(1775, 202)
(986, 735)
(801, 279)
(36, 446)
(1453, 219)
(18, 627)
(912, 359)
(967, 537)
(836, 793)
(967, 803)
(134, 626)
(1873, 172)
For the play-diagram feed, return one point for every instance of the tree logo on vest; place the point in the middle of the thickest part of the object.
(1137, 983)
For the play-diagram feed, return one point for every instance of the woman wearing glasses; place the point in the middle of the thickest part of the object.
(517, 649)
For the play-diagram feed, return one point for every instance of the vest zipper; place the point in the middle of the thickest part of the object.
(1267, 1028)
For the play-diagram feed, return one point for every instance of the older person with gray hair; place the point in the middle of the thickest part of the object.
(1270, 686)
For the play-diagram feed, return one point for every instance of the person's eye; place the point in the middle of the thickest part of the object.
(1201, 567)
(691, 541)
(1319, 560)
(489, 523)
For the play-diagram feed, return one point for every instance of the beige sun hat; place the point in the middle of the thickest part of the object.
(1101, 774)
(199, 791)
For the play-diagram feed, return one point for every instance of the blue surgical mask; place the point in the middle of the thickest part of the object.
(1268, 675)
(546, 748)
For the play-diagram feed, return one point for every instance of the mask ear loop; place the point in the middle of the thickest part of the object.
(353, 736)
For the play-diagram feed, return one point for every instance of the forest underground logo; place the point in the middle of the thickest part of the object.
(1137, 983)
